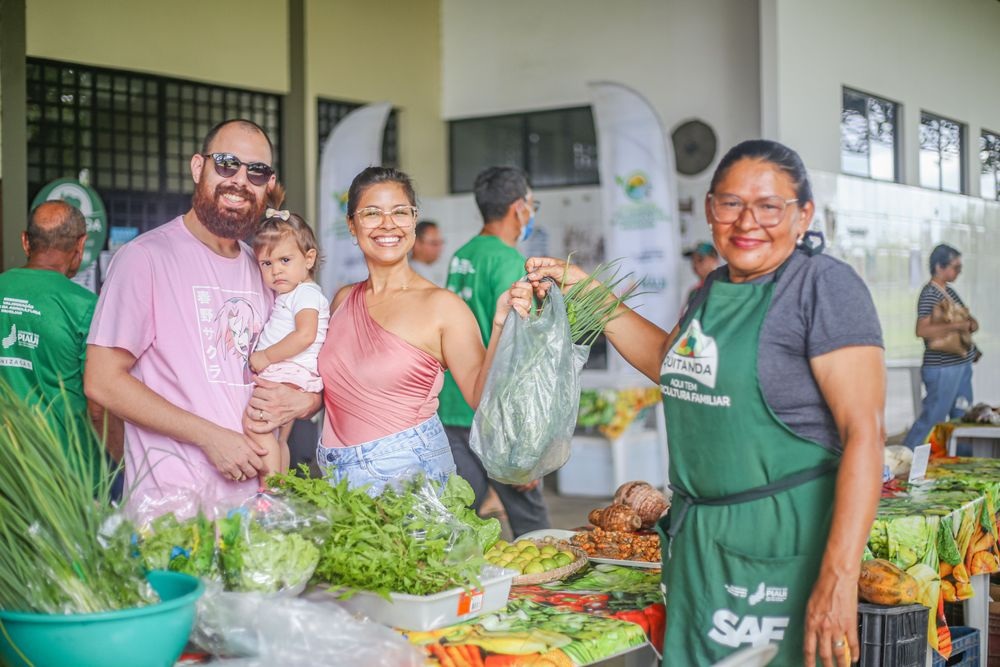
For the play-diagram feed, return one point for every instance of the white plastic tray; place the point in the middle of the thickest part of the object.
(429, 612)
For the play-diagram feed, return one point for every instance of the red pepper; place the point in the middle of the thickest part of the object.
(636, 616)
(657, 615)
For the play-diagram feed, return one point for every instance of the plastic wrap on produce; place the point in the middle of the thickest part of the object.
(269, 544)
(257, 630)
(264, 543)
(527, 414)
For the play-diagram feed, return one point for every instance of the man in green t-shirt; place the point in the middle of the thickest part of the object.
(44, 321)
(479, 272)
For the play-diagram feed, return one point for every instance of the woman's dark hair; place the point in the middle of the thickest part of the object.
(374, 176)
(779, 155)
(942, 256)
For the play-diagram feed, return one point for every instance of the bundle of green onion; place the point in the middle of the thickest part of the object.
(592, 302)
(59, 554)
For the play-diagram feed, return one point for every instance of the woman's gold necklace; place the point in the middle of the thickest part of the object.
(402, 288)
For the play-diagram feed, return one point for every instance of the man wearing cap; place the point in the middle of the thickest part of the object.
(704, 259)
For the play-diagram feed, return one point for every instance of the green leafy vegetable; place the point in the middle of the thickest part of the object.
(405, 541)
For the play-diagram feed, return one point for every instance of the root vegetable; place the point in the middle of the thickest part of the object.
(615, 517)
(642, 497)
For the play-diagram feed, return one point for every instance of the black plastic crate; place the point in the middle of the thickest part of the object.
(964, 648)
(892, 636)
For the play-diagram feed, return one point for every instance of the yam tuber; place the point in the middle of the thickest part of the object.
(642, 497)
(615, 517)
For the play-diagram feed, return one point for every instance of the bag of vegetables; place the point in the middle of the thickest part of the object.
(528, 411)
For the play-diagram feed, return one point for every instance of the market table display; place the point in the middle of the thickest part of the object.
(603, 612)
(943, 532)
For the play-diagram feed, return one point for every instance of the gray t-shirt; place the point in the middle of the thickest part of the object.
(820, 304)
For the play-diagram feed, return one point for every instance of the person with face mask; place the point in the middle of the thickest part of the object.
(44, 320)
(182, 308)
(479, 272)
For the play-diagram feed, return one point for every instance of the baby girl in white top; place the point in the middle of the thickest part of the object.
(289, 344)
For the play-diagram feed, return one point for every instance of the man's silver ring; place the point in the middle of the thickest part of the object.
(260, 415)
(838, 644)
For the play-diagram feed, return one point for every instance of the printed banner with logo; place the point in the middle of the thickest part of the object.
(639, 197)
(354, 144)
(78, 193)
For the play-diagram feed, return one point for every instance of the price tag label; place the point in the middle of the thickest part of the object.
(918, 469)
(471, 601)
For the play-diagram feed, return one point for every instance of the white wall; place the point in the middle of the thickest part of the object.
(929, 55)
(689, 58)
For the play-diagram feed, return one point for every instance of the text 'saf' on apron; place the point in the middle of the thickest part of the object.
(752, 501)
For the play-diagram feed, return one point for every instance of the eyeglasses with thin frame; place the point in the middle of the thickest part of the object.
(228, 165)
(371, 217)
(535, 204)
(766, 211)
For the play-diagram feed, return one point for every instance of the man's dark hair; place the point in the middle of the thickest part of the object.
(243, 122)
(423, 226)
(55, 225)
(496, 188)
(942, 256)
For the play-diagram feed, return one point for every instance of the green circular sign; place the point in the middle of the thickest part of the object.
(89, 202)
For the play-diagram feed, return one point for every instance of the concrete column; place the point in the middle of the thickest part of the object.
(293, 136)
(14, 137)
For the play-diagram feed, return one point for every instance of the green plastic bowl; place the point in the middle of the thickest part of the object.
(151, 636)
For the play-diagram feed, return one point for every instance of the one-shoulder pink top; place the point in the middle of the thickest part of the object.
(374, 382)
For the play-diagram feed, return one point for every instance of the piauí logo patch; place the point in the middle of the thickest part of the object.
(694, 355)
(11, 338)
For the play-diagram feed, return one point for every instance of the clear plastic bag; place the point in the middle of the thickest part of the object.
(269, 545)
(262, 630)
(265, 544)
(529, 405)
(406, 540)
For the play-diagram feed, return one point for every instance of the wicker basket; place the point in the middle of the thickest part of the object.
(558, 573)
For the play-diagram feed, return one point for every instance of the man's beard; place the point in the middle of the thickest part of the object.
(226, 223)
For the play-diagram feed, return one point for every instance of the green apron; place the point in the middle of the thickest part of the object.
(752, 502)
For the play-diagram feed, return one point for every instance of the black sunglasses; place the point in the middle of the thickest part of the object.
(227, 165)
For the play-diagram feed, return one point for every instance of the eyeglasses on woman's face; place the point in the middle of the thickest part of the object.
(767, 211)
(371, 217)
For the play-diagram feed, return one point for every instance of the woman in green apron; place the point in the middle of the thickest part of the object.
(773, 385)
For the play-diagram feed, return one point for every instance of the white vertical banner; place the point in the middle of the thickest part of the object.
(639, 198)
(354, 144)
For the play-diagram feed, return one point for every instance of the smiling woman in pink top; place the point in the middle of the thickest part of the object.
(391, 337)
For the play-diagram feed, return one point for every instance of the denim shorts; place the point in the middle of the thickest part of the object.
(421, 449)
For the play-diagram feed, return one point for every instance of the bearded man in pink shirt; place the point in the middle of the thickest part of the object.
(175, 325)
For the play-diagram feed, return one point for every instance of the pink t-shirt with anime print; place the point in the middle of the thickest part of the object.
(191, 319)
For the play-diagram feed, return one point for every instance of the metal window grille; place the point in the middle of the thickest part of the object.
(330, 112)
(942, 153)
(134, 132)
(989, 164)
(869, 136)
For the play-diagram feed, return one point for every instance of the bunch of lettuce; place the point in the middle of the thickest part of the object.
(235, 549)
(180, 546)
(253, 559)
